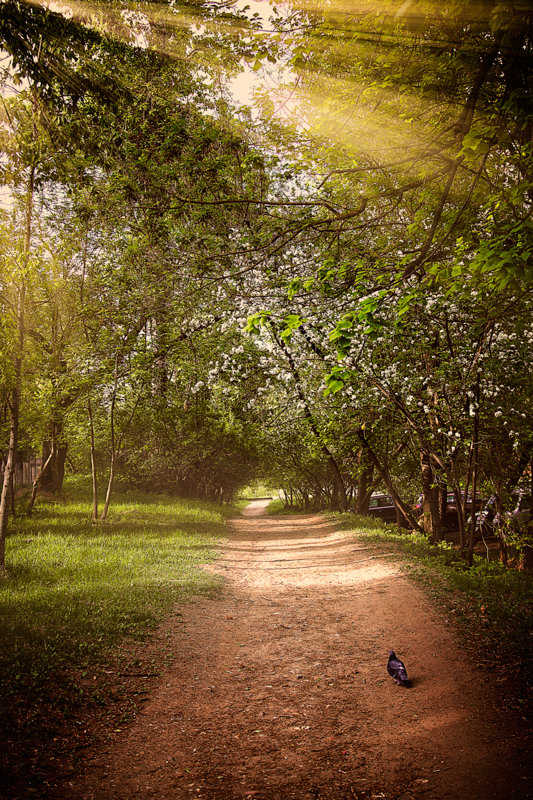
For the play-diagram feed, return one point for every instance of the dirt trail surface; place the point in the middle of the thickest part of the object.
(279, 689)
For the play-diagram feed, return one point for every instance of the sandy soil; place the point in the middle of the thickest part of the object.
(279, 689)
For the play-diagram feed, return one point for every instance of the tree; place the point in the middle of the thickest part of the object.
(17, 267)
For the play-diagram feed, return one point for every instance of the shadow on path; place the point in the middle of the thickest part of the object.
(279, 688)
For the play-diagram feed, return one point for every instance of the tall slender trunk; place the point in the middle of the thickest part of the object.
(109, 487)
(526, 556)
(42, 473)
(112, 466)
(475, 454)
(460, 500)
(52, 480)
(94, 474)
(443, 503)
(364, 483)
(93, 460)
(117, 441)
(339, 499)
(503, 553)
(473, 520)
(5, 498)
(430, 504)
(12, 494)
(15, 394)
(406, 512)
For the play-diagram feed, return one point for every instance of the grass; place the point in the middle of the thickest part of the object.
(255, 490)
(78, 593)
(277, 506)
(76, 590)
(491, 607)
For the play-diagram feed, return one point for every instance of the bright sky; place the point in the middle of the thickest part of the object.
(271, 76)
(261, 8)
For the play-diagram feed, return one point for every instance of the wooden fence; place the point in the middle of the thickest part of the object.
(25, 471)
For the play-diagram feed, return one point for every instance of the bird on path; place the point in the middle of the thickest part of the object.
(397, 671)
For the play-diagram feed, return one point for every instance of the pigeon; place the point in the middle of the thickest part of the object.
(396, 670)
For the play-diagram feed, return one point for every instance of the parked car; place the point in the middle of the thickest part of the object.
(451, 519)
(452, 515)
(384, 507)
(516, 517)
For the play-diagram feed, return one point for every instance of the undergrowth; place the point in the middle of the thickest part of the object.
(256, 491)
(277, 506)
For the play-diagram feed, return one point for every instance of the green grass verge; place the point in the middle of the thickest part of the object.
(76, 590)
(491, 606)
(255, 490)
(277, 506)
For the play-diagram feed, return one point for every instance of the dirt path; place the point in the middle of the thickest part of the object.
(279, 689)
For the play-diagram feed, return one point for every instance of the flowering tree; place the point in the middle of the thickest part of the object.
(380, 250)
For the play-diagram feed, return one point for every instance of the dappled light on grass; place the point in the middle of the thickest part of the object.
(77, 594)
(76, 588)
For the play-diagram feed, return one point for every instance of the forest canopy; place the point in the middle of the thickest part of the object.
(290, 241)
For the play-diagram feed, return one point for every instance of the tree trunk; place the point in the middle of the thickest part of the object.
(473, 471)
(109, 489)
(460, 498)
(387, 480)
(52, 480)
(12, 494)
(14, 399)
(340, 502)
(40, 477)
(113, 444)
(526, 556)
(364, 486)
(116, 441)
(93, 461)
(473, 520)
(7, 486)
(503, 553)
(443, 504)
(430, 503)
(460, 504)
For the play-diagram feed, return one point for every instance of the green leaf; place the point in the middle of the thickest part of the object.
(334, 386)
